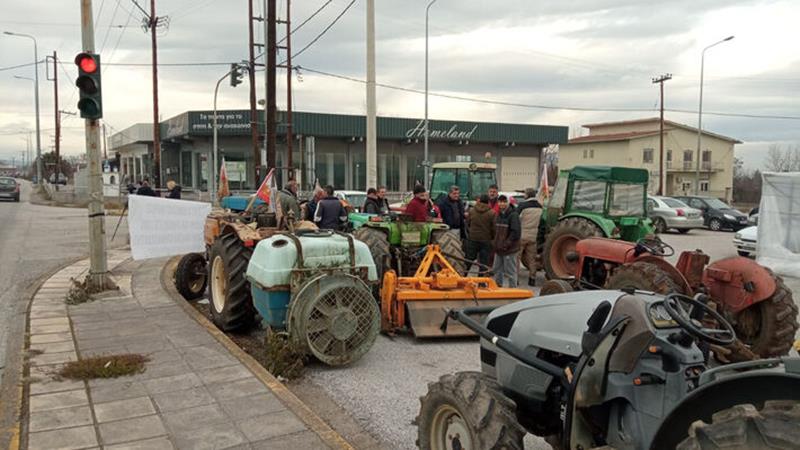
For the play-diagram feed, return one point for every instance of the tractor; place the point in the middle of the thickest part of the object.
(473, 179)
(750, 297)
(592, 201)
(636, 376)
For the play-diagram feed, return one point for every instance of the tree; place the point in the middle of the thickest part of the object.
(783, 160)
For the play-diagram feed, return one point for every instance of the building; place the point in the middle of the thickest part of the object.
(8, 171)
(331, 147)
(635, 143)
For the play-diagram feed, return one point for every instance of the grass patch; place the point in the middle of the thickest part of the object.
(105, 366)
(80, 292)
(282, 356)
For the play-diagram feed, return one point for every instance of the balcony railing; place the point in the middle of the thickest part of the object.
(690, 166)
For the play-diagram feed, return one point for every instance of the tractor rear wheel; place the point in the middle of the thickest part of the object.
(449, 242)
(743, 427)
(378, 243)
(191, 276)
(768, 327)
(551, 287)
(561, 241)
(469, 409)
(230, 299)
(642, 276)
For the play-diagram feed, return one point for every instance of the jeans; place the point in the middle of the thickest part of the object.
(481, 250)
(506, 267)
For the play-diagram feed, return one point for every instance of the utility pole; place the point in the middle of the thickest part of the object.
(661, 178)
(372, 144)
(98, 266)
(57, 117)
(251, 74)
(271, 73)
(289, 134)
(105, 142)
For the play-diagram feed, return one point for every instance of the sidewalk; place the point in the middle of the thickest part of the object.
(194, 393)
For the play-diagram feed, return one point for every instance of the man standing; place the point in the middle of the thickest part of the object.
(372, 204)
(382, 200)
(146, 190)
(481, 233)
(418, 206)
(506, 243)
(530, 212)
(330, 214)
(287, 200)
(493, 198)
(452, 209)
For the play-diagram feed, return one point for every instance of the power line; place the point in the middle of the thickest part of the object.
(308, 19)
(108, 30)
(19, 66)
(325, 30)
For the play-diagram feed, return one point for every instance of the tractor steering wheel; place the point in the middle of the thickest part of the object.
(674, 304)
(656, 247)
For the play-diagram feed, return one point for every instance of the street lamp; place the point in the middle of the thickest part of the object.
(425, 162)
(700, 115)
(36, 95)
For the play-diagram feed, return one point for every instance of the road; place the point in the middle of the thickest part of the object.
(381, 391)
(34, 240)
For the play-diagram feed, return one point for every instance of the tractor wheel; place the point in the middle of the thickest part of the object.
(660, 225)
(469, 409)
(743, 427)
(551, 287)
(642, 276)
(230, 298)
(379, 247)
(560, 242)
(191, 276)
(450, 244)
(768, 327)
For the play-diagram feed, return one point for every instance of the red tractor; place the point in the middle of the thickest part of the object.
(748, 295)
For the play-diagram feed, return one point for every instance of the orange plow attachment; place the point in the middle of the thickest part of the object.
(419, 302)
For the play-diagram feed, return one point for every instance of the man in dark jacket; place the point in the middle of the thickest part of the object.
(452, 210)
(506, 243)
(372, 204)
(330, 214)
(382, 200)
(146, 190)
(481, 233)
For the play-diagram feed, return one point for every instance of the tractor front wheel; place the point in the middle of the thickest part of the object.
(467, 410)
(768, 327)
(191, 276)
(551, 287)
(230, 299)
(450, 244)
(378, 243)
(560, 244)
(743, 427)
(643, 276)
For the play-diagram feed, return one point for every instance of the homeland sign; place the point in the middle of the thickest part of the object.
(452, 133)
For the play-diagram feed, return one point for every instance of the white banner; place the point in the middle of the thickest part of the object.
(778, 244)
(165, 227)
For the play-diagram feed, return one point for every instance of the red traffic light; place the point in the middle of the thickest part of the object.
(86, 62)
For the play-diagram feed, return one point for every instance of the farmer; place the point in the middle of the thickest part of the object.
(330, 214)
(372, 205)
(419, 206)
(452, 210)
(530, 212)
(480, 224)
(506, 243)
(287, 201)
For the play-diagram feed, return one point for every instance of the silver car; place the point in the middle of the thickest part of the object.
(667, 212)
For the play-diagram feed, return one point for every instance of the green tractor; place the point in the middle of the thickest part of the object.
(592, 201)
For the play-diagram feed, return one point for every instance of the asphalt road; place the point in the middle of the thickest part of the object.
(35, 240)
(381, 391)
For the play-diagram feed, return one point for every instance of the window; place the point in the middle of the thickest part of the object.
(687, 159)
(627, 200)
(591, 153)
(559, 194)
(706, 160)
(651, 204)
(647, 156)
(673, 203)
(697, 203)
(669, 155)
(704, 186)
(585, 153)
(589, 195)
(686, 186)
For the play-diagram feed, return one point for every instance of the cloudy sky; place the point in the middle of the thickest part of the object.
(570, 55)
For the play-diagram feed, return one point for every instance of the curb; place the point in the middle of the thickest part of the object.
(327, 434)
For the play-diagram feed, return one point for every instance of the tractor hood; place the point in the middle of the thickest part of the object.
(554, 322)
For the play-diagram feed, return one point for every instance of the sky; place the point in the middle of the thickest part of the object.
(586, 60)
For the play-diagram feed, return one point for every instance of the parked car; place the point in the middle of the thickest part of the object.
(717, 215)
(669, 213)
(752, 216)
(513, 196)
(355, 199)
(745, 241)
(9, 188)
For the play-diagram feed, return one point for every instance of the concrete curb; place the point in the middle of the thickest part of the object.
(327, 434)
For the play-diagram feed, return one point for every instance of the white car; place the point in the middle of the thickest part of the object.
(355, 199)
(745, 241)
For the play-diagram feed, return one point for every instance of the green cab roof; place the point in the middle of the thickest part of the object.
(610, 174)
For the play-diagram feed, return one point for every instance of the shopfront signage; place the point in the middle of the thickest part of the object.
(452, 133)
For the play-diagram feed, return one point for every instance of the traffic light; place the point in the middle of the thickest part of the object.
(88, 82)
(236, 75)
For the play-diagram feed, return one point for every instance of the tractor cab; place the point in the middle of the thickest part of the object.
(472, 178)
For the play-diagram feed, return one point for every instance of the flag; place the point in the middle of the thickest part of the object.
(544, 188)
(265, 191)
(224, 189)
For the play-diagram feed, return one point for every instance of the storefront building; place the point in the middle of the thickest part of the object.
(331, 148)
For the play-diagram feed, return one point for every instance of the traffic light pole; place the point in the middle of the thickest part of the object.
(98, 266)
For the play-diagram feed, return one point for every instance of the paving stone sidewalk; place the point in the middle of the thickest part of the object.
(193, 395)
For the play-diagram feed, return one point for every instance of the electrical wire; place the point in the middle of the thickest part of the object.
(108, 30)
(19, 66)
(325, 30)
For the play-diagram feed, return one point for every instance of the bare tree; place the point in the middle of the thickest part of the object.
(783, 160)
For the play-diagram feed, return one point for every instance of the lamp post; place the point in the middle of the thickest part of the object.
(700, 115)
(36, 96)
(425, 162)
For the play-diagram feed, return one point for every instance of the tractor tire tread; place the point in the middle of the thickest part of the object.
(644, 276)
(743, 427)
(381, 252)
(572, 225)
(782, 319)
(450, 244)
(482, 405)
(183, 278)
(239, 311)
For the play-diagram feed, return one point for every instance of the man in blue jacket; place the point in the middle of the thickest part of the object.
(452, 209)
(330, 214)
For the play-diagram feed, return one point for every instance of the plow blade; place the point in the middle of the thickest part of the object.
(425, 317)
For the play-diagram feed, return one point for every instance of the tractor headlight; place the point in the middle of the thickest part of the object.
(729, 217)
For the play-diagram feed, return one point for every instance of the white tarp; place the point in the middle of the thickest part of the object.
(165, 227)
(779, 223)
